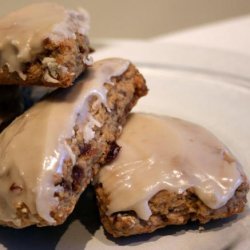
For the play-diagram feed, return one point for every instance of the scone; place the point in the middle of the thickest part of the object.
(49, 154)
(43, 44)
(168, 172)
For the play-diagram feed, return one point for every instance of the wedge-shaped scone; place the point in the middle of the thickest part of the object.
(43, 44)
(168, 172)
(50, 153)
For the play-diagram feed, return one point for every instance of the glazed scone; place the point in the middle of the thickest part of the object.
(50, 153)
(168, 172)
(43, 44)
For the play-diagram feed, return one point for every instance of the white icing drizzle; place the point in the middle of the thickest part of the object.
(33, 147)
(163, 153)
(88, 129)
(88, 60)
(22, 32)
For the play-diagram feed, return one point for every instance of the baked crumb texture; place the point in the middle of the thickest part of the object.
(167, 208)
(122, 95)
(58, 65)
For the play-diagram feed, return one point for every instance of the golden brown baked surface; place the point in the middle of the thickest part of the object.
(58, 65)
(168, 208)
(122, 95)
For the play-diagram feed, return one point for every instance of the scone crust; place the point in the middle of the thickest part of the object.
(123, 93)
(67, 59)
(168, 208)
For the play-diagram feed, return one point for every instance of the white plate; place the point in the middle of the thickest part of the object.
(215, 97)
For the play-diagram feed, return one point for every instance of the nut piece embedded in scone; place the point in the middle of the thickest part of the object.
(49, 154)
(43, 44)
(168, 172)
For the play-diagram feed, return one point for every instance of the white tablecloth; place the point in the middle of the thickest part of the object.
(232, 35)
